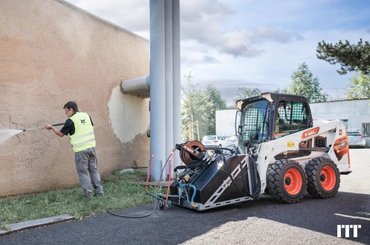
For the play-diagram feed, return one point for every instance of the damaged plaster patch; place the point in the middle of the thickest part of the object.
(128, 114)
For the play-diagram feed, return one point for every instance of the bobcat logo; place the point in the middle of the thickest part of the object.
(83, 121)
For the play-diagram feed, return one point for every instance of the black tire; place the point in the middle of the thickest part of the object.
(282, 185)
(323, 178)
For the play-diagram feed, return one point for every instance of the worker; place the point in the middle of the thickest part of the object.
(79, 127)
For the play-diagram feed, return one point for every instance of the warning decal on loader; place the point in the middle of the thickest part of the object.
(310, 132)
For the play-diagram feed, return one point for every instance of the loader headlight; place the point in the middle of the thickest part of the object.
(220, 164)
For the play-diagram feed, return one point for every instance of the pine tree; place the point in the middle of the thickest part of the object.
(245, 92)
(360, 87)
(305, 84)
(351, 57)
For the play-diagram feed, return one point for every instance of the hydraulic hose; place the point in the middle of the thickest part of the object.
(134, 216)
(194, 192)
(155, 196)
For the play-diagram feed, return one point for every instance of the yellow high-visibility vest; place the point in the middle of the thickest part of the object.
(84, 137)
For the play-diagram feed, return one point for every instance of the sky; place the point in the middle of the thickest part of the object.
(251, 43)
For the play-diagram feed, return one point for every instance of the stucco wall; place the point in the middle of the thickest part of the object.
(50, 53)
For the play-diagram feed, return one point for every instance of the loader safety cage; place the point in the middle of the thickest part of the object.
(270, 116)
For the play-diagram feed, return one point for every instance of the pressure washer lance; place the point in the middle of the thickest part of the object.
(55, 124)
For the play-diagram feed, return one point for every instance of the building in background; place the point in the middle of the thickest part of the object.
(355, 115)
(52, 52)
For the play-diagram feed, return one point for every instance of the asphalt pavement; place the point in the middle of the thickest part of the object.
(263, 221)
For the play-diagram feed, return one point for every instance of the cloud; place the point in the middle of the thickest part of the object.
(238, 49)
(210, 60)
(204, 10)
(203, 21)
(244, 43)
(266, 33)
(199, 58)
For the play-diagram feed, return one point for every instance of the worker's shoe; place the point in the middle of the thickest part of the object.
(99, 194)
(87, 195)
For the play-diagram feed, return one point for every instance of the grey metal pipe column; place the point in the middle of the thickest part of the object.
(157, 87)
(176, 76)
(169, 79)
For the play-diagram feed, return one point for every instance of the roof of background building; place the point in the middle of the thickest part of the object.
(339, 100)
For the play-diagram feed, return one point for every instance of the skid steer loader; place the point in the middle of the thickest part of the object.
(282, 152)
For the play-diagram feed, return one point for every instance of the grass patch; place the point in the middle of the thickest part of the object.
(120, 192)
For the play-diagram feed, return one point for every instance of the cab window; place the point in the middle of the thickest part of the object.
(291, 117)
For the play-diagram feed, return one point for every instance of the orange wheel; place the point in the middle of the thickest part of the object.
(286, 181)
(323, 178)
(293, 181)
(327, 178)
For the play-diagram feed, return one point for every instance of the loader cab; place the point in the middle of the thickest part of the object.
(270, 116)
